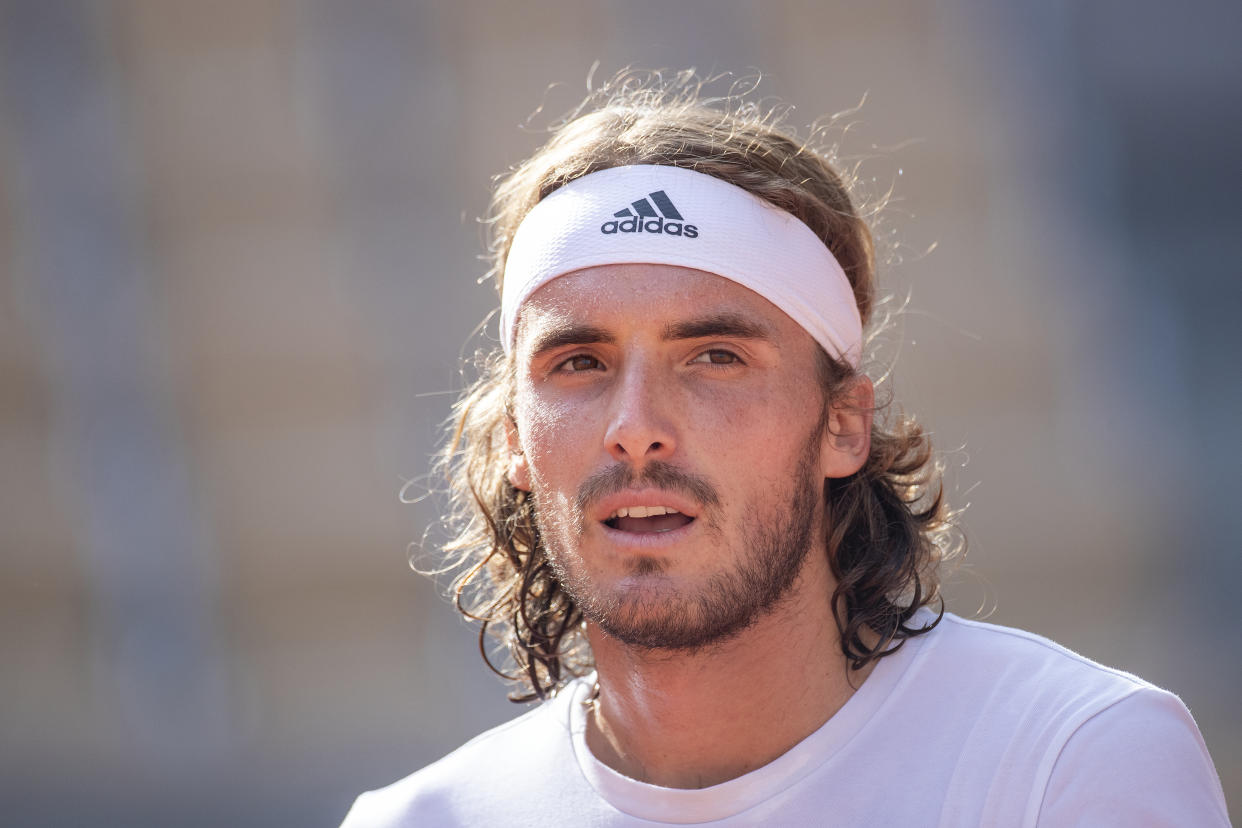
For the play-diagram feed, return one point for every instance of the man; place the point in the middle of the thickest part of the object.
(710, 558)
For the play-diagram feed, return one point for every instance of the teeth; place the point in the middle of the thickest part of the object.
(642, 511)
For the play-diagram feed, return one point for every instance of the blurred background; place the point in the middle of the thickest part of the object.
(239, 261)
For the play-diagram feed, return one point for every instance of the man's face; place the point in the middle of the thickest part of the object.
(671, 427)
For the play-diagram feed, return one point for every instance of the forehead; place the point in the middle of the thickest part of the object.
(636, 297)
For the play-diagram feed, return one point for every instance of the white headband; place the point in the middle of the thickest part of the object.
(676, 216)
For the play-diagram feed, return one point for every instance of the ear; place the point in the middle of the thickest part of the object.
(519, 469)
(847, 439)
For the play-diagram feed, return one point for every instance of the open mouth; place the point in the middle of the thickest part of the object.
(644, 519)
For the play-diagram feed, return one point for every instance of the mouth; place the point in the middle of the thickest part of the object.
(647, 519)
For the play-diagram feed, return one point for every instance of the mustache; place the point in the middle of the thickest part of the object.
(656, 475)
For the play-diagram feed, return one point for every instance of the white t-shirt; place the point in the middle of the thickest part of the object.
(971, 724)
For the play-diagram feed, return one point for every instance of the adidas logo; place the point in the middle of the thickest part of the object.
(644, 218)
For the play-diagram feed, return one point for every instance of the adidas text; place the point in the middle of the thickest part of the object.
(637, 224)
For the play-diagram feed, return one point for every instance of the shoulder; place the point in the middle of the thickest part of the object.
(1000, 693)
(1029, 666)
(1141, 761)
(1050, 690)
(512, 756)
(1098, 746)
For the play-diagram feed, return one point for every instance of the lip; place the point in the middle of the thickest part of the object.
(648, 540)
(644, 497)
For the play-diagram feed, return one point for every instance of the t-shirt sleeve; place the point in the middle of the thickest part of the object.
(1141, 761)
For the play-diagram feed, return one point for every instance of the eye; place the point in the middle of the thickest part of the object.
(578, 363)
(718, 356)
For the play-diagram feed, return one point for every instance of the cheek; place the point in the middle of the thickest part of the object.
(759, 411)
(757, 436)
(555, 437)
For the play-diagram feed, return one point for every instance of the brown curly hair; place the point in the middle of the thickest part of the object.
(888, 524)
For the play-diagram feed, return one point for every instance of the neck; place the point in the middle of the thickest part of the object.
(691, 720)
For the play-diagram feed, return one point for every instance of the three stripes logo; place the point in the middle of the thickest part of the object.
(643, 218)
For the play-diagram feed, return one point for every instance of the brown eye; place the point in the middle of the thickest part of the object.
(581, 362)
(717, 357)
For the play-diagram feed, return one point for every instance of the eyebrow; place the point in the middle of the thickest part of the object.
(569, 334)
(727, 325)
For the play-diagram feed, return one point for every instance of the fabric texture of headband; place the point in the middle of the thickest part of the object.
(675, 216)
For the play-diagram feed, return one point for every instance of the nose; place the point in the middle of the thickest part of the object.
(640, 428)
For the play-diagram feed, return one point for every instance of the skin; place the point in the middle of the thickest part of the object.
(622, 369)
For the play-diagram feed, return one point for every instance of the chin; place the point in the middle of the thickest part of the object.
(654, 612)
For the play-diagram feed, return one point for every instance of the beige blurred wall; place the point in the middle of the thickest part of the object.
(305, 179)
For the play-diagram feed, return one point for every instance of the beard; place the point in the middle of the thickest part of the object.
(770, 555)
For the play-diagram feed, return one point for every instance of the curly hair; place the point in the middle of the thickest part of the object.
(888, 526)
